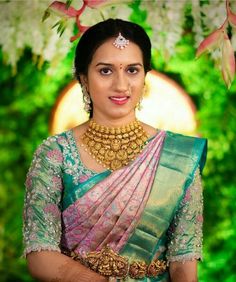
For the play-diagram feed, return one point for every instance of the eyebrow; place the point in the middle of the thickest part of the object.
(110, 65)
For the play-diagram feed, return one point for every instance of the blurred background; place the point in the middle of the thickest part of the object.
(39, 97)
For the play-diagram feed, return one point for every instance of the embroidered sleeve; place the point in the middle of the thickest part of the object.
(42, 215)
(185, 232)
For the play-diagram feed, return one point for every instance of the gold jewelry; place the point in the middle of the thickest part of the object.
(86, 99)
(114, 147)
(139, 105)
(108, 263)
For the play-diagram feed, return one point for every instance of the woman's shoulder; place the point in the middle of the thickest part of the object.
(54, 140)
(150, 130)
(191, 149)
(53, 143)
(179, 138)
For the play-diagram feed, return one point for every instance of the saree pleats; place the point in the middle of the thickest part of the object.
(109, 212)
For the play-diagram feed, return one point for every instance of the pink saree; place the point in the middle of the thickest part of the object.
(108, 213)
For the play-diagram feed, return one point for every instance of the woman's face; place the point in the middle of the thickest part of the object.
(115, 82)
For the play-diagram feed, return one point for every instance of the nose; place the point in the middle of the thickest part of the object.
(121, 82)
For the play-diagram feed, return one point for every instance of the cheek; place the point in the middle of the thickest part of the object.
(97, 83)
(138, 85)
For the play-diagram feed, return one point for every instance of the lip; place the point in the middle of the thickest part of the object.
(119, 100)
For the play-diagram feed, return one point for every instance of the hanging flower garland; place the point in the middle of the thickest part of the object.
(22, 27)
(220, 39)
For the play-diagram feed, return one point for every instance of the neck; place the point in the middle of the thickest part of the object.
(113, 125)
(114, 122)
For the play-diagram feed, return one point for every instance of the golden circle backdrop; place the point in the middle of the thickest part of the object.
(165, 105)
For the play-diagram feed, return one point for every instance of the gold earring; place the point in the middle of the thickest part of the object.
(144, 89)
(86, 99)
(139, 106)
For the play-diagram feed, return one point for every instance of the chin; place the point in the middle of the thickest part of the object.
(122, 114)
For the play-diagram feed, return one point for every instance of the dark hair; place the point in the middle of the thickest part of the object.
(96, 35)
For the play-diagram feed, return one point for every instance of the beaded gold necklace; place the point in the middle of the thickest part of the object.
(114, 147)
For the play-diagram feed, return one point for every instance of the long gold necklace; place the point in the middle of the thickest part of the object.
(114, 147)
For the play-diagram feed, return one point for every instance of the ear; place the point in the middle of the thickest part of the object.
(84, 80)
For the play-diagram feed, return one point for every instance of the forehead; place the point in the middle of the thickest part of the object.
(108, 53)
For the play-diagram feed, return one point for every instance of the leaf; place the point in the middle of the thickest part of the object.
(46, 15)
(56, 24)
(62, 30)
(61, 26)
(228, 61)
(63, 9)
(68, 3)
(230, 15)
(211, 41)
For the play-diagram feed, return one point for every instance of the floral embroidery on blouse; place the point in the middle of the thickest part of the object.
(73, 165)
(42, 229)
(56, 157)
(185, 231)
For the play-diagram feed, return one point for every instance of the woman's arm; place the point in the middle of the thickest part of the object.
(50, 266)
(42, 220)
(185, 235)
(183, 271)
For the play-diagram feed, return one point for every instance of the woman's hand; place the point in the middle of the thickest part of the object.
(183, 271)
(51, 266)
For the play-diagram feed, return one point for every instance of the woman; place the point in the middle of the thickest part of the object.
(114, 198)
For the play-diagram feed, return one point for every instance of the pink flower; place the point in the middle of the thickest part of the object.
(63, 9)
(101, 3)
(212, 41)
(199, 218)
(28, 182)
(55, 155)
(187, 196)
(70, 12)
(219, 39)
(228, 61)
(53, 209)
(57, 182)
(230, 15)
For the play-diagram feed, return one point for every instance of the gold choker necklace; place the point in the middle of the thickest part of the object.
(114, 147)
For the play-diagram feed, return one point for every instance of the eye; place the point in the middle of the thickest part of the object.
(132, 70)
(105, 71)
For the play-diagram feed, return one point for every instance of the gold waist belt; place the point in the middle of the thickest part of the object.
(108, 263)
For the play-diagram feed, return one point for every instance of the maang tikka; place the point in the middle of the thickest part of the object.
(86, 99)
(120, 42)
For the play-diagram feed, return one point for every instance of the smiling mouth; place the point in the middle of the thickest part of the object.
(119, 100)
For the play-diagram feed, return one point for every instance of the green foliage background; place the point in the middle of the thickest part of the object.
(26, 101)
